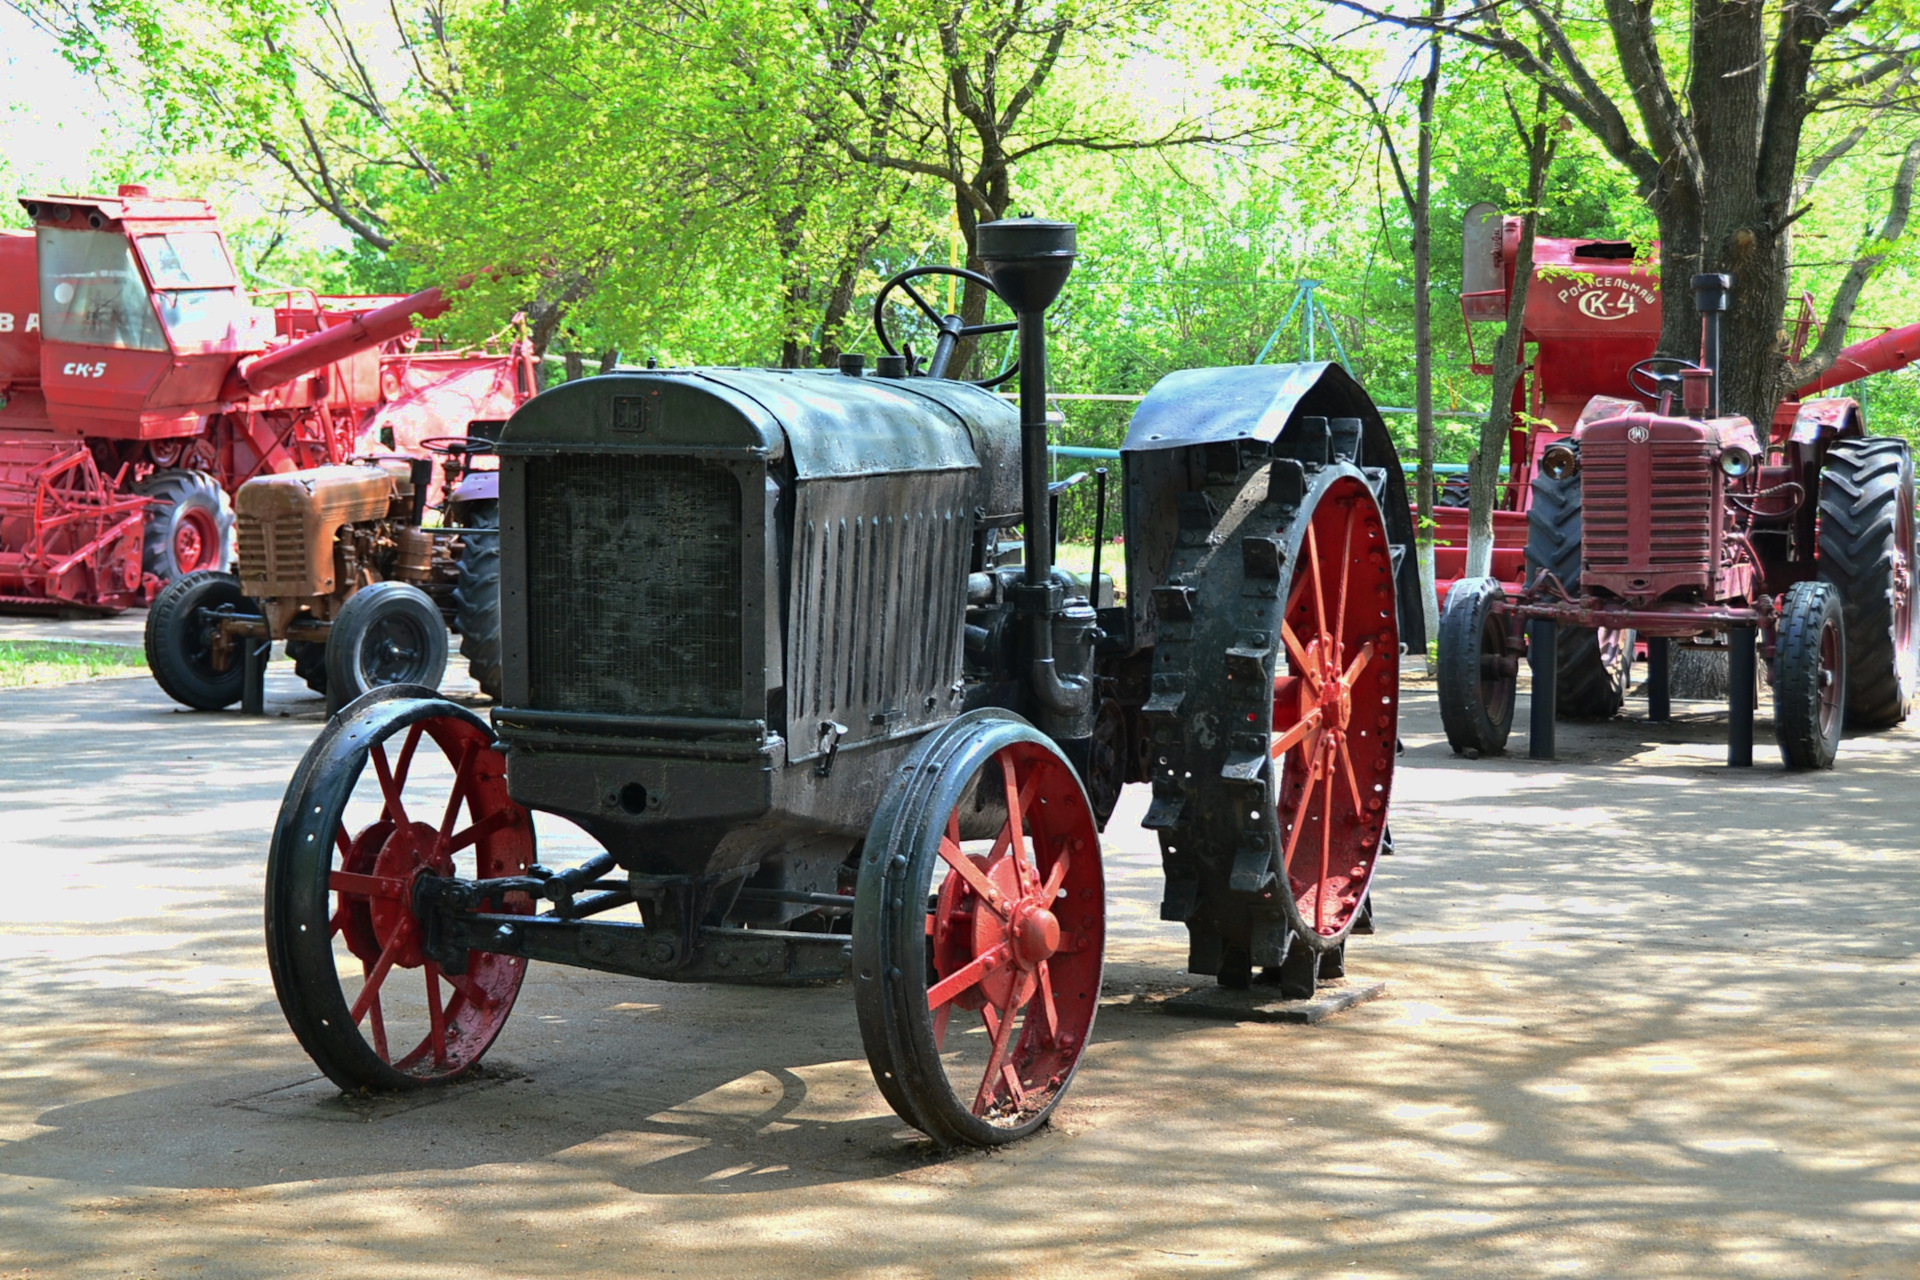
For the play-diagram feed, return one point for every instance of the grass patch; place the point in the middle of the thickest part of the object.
(31, 662)
(1077, 557)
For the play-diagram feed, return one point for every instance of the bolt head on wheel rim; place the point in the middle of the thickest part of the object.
(387, 796)
(978, 939)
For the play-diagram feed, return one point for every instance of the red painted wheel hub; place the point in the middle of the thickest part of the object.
(196, 540)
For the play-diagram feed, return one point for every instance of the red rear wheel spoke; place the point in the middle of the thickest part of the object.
(1360, 661)
(341, 841)
(1340, 611)
(481, 830)
(381, 967)
(1308, 724)
(390, 787)
(1326, 852)
(1353, 779)
(474, 993)
(960, 979)
(1001, 1029)
(347, 882)
(1299, 656)
(1018, 799)
(1046, 1002)
(940, 1017)
(968, 870)
(377, 1023)
(462, 777)
(1306, 800)
(407, 746)
(1319, 596)
(1051, 890)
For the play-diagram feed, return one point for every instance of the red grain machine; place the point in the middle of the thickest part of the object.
(140, 386)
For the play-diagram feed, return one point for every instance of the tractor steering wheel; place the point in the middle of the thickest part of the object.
(461, 447)
(950, 328)
(1647, 377)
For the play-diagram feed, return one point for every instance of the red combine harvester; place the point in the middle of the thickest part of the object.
(1592, 314)
(140, 387)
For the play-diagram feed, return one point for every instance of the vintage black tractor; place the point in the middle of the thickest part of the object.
(1795, 547)
(769, 642)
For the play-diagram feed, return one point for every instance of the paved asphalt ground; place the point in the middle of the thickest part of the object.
(1645, 1018)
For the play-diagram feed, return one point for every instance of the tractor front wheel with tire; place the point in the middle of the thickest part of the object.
(1478, 675)
(981, 894)
(1810, 676)
(352, 844)
(1866, 550)
(189, 526)
(180, 634)
(388, 633)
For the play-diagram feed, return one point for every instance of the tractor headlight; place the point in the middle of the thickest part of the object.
(1561, 461)
(1735, 461)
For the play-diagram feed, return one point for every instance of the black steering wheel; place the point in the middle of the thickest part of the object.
(461, 447)
(950, 328)
(1647, 376)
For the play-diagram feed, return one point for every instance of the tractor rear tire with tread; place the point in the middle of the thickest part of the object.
(1866, 530)
(179, 642)
(190, 529)
(476, 598)
(1592, 676)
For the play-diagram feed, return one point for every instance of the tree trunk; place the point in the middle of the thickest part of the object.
(1423, 332)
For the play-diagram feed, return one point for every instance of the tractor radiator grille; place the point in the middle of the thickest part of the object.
(633, 586)
(1673, 518)
(273, 555)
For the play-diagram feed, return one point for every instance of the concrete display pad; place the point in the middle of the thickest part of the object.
(1263, 1004)
(1647, 1018)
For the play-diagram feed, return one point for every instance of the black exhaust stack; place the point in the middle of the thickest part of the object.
(1710, 293)
(1029, 260)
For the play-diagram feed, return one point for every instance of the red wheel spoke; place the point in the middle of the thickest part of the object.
(376, 1020)
(1300, 816)
(367, 886)
(1298, 655)
(406, 754)
(436, 1016)
(1002, 1045)
(475, 993)
(341, 842)
(960, 979)
(976, 879)
(1015, 834)
(1046, 1002)
(1353, 779)
(1359, 664)
(337, 922)
(1340, 611)
(1319, 597)
(1285, 742)
(481, 830)
(389, 785)
(1058, 877)
(370, 992)
(940, 1017)
(462, 776)
(1326, 851)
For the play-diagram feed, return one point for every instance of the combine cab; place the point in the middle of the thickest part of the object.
(140, 387)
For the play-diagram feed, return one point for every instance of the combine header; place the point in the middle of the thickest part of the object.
(140, 387)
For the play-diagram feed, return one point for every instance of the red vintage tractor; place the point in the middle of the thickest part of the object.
(1794, 546)
(1593, 313)
(140, 386)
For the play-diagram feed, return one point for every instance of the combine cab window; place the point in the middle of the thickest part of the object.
(91, 293)
(194, 284)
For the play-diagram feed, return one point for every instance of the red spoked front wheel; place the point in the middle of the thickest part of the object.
(979, 932)
(1335, 714)
(404, 788)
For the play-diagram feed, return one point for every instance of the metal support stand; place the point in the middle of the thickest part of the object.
(1543, 655)
(254, 656)
(1659, 680)
(1740, 682)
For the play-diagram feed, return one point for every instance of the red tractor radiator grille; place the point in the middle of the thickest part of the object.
(1647, 513)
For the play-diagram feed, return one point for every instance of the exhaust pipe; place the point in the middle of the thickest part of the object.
(1029, 260)
(1710, 294)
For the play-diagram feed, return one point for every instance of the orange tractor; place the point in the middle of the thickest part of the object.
(141, 385)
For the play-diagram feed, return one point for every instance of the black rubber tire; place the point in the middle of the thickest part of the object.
(180, 643)
(1592, 676)
(476, 597)
(1808, 739)
(1476, 713)
(1452, 491)
(309, 659)
(388, 633)
(183, 494)
(1866, 512)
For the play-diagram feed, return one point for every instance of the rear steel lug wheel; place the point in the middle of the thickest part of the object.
(400, 790)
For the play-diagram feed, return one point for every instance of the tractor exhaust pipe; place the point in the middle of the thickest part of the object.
(1029, 260)
(1710, 293)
